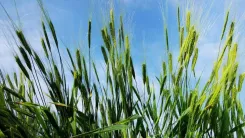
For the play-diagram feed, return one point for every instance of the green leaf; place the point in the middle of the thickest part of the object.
(104, 54)
(52, 120)
(59, 104)
(103, 130)
(236, 128)
(22, 67)
(27, 104)
(1, 134)
(131, 118)
(2, 98)
(13, 93)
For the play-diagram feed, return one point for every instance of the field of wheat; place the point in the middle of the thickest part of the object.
(118, 107)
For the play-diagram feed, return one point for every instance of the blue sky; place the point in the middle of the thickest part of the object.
(144, 24)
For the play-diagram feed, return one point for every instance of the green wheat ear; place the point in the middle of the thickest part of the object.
(89, 33)
(26, 58)
(240, 82)
(79, 61)
(44, 48)
(23, 41)
(170, 63)
(144, 72)
(166, 34)
(188, 21)
(22, 67)
(225, 24)
(194, 60)
(178, 15)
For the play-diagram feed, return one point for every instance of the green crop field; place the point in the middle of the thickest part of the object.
(118, 107)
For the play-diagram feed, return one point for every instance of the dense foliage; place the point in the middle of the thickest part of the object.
(118, 108)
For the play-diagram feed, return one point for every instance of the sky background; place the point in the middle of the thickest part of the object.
(144, 22)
